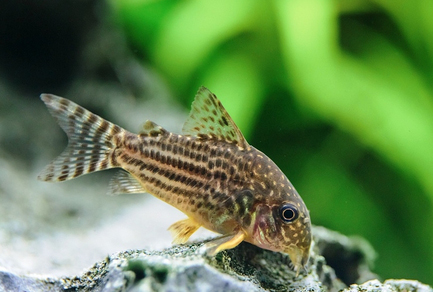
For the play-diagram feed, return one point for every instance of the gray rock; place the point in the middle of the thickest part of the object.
(390, 286)
(351, 257)
(185, 268)
(244, 268)
(12, 282)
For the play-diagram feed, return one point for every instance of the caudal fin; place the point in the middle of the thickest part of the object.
(90, 140)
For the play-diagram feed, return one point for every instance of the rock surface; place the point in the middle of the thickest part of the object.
(390, 286)
(184, 268)
(245, 268)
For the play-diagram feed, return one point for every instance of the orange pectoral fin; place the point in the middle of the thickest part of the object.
(182, 230)
(226, 242)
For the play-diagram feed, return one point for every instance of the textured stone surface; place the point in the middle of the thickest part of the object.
(390, 286)
(12, 282)
(350, 257)
(184, 268)
(244, 268)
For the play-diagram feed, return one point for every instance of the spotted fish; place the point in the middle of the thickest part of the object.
(210, 173)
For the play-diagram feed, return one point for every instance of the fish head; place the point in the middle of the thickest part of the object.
(280, 220)
(283, 227)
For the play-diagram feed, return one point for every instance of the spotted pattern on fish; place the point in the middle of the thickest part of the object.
(209, 172)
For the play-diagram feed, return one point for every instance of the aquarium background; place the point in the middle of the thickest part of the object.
(338, 93)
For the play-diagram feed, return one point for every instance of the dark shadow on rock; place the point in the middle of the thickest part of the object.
(351, 258)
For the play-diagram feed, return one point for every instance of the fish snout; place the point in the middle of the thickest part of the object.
(299, 257)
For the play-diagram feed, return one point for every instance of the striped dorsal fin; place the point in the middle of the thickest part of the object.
(209, 119)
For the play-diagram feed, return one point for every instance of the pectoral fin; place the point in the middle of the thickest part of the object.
(124, 183)
(226, 242)
(182, 230)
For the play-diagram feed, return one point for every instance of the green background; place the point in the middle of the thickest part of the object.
(338, 93)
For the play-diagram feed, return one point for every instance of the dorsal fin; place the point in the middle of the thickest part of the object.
(152, 129)
(124, 183)
(208, 118)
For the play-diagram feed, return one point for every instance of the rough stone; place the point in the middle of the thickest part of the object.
(390, 286)
(186, 268)
(351, 257)
(244, 268)
(12, 282)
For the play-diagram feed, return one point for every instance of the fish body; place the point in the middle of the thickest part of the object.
(209, 172)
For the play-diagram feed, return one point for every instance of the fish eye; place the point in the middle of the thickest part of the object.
(289, 213)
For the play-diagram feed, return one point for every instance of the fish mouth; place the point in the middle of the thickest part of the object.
(299, 258)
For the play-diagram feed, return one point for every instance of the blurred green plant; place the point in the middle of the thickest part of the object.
(338, 93)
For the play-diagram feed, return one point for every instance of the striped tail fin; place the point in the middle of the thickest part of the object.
(90, 141)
